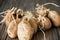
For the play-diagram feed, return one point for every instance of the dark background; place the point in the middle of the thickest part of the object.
(51, 34)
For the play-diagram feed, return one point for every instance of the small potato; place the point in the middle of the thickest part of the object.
(25, 31)
(45, 23)
(54, 16)
(42, 11)
(12, 28)
(33, 24)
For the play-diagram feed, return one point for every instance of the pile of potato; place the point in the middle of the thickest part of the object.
(23, 24)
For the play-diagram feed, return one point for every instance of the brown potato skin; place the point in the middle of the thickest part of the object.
(12, 28)
(46, 25)
(42, 11)
(33, 24)
(25, 31)
(54, 16)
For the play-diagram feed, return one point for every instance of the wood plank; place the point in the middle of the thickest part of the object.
(55, 35)
(58, 30)
(2, 31)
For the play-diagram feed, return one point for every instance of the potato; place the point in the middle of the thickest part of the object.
(9, 17)
(33, 24)
(42, 11)
(45, 23)
(54, 16)
(25, 31)
(12, 28)
(29, 17)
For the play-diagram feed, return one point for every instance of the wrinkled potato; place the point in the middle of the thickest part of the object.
(33, 24)
(54, 16)
(25, 31)
(12, 28)
(42, 10)
(45, 23)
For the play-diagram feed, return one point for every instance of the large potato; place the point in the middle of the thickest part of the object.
(12, 28)
(54, 16)
(45, 23)
(31, 20)
(25, 31)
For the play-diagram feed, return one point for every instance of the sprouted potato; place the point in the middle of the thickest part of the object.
(12, 29)
(54, 16)
(8, 18)
(31, 20)
(44, 22)
(25, 31)
(13, 26)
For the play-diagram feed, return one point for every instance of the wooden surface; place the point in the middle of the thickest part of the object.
(52, 34)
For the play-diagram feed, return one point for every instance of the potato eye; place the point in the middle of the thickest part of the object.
(26, 19)
(43, 19)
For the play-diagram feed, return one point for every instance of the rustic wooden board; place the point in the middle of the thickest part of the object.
(52, 34)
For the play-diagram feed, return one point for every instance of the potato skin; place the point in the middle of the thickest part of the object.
(45, 23)
(54, 16)
(33, 24)
(12, 28)
(25, 31)
(42, 11)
